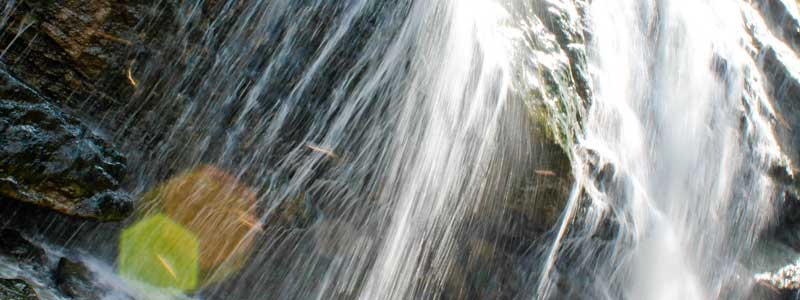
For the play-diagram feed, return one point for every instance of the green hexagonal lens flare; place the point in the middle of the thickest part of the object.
(159, 252)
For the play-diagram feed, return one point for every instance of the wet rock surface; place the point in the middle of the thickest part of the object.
(772, 26)
(80, 52)
(16, 289)
(778, 66)
(75, 279)
(14, 246)
(50, 159)
(494, 263)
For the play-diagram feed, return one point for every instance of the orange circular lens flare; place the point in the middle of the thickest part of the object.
(217, 208)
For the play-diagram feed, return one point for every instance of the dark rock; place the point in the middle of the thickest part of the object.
(13, 245)
(296, 212)
(537, 207)
(77, 50)
(76, 280)
(16, 289)
(50, 159)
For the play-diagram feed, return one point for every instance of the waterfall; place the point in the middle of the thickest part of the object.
(408, 149)
(676, 155)
(445, 143)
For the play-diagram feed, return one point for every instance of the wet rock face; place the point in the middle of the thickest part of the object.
(78, 51)
(50, 159)
(14, 246)
(16, 289)
(772, 28)
(556, 107)
(786, 90)
(76, 280)
(494, 259)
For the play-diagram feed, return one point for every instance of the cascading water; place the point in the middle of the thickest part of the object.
(436, 149)
(678, 152)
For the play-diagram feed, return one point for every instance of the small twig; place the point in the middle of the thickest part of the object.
(249, 221)
(322, 150)
(547, 173)
(113, 38)
(130, 74)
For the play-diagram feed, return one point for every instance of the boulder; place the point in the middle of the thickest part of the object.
(50, 159)
(74, 279)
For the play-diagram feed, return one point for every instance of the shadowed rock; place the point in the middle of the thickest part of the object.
(50, 159)
(76, 50)
(13, 245)
(76, 280)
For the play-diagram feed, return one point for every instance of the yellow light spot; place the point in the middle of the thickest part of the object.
(166, 266)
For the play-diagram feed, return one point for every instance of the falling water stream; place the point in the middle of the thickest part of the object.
(679, 152)
(330, 149)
